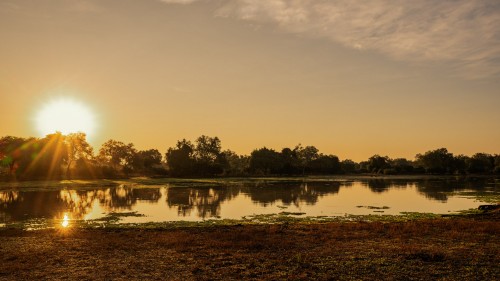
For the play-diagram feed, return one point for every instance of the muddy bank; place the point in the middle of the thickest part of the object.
(454, 249)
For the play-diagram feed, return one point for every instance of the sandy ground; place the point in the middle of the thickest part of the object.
(447, 249)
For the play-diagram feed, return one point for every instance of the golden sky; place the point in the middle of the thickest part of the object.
(353, 78)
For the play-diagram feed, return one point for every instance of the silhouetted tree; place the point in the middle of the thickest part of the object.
(118, 154)
(148, 162)
(291, 162)
(46, 158)
(377, 163)
(210, 160)
(306, 155)
(436, 161)
(460, 163)
(496, 170)
(265, 161)
(325, 165)
(348, 166)
(364, 166)
(180, 159)
(481, 163)
(57, 155)
(78, 149)
(401, 166)
(11, 153)
(238, 165)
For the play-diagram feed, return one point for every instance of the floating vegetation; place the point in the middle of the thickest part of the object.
(374, 207)
(292, 213)
(112, 220)
(483, 196)
(115, 217)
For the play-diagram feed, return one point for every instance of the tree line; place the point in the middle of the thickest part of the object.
(58, 156)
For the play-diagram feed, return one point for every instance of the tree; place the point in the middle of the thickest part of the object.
(401, 165)
(150, 158)
(44, 158)
(238, 165)
(436, 161)
(79, 150)
(291, 162)
(11, 150)
(496, 170)
(377, 163)
(481, 163)
(210, 160)
(147, 161)
(325, 164)
(306, 155)
(207, 148)
(348, 166)
(460, 163)
(118, 154)
(265, 161)
(180, 159)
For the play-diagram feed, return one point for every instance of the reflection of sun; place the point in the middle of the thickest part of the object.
(65, 222)
(65, 116)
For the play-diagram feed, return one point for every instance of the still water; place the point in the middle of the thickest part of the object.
(196, 201)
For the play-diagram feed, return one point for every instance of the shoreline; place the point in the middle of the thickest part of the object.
(154, 180)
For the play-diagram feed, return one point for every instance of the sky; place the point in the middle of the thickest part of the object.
(353, 78)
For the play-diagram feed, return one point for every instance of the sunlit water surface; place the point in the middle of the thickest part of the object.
(196, 202)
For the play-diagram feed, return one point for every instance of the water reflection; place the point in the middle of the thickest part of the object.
(65, 221)
(205, 201)
(291, 193)
(171, 202)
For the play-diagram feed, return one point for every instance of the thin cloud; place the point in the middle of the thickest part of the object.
(463, 33)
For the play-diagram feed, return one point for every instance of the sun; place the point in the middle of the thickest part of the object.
(65, 116)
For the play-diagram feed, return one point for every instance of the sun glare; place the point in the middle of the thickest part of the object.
(65, 221)
(65, 116)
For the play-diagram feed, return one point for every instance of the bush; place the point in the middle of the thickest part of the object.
(497, 170)
(390, 171)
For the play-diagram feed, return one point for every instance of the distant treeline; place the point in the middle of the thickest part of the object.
(70, 156)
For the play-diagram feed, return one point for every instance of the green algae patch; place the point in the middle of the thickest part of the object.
(482, 196)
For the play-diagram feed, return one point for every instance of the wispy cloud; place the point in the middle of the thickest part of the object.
(464, 33)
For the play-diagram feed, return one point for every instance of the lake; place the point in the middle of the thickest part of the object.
(196, 200)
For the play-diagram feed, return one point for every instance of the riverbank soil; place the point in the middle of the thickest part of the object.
(431, 249)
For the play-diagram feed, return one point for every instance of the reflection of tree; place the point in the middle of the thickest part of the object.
(291, 193)
(206, 200)
(5, 198)
(378, 185)
(383, 185)
(34, 204)
(435, 189)
(432, 188)
(8, 196)
(17, 205)
(439, 189)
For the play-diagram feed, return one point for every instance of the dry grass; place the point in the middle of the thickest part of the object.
(447, 249)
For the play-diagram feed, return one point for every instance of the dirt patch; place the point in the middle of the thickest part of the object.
(453, 249)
